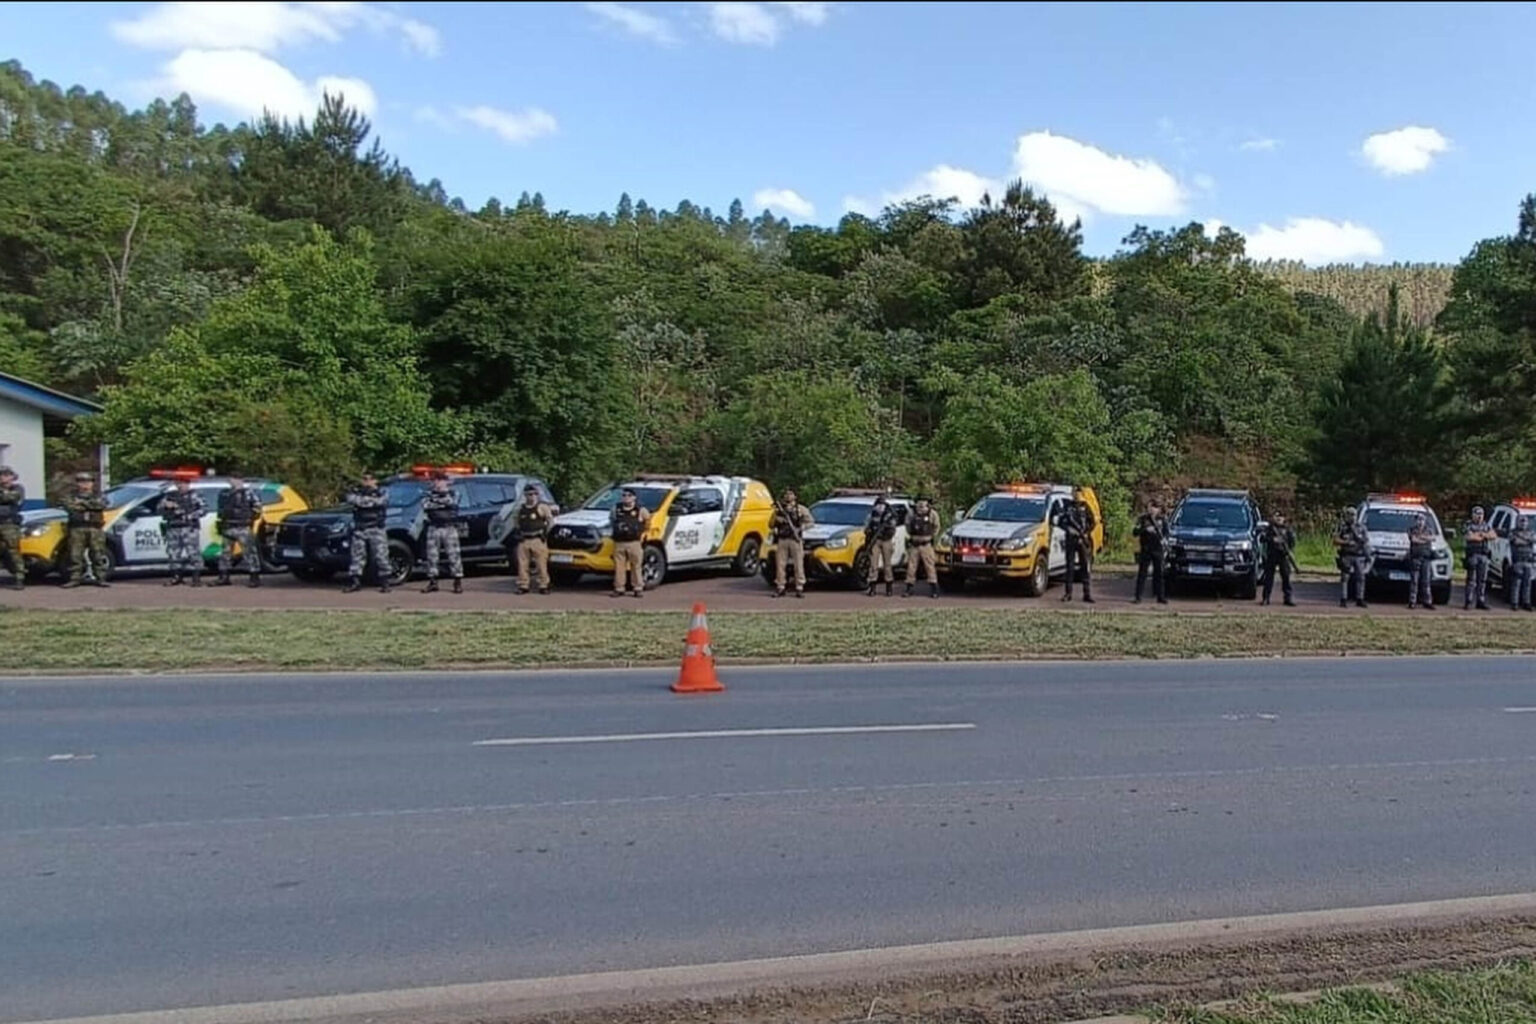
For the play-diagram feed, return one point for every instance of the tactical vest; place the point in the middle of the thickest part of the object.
(1150, 533)
(1477, 547)
(179, 511)
(1420, 545)
(10, 505)
(1522, 546)
(786, 526)
(1354, 544)
(884, 526)
(531, 523)
(90, 514)
(626, 524)
(368, 517)
(238, 509)
(921, 529)
(441, 509)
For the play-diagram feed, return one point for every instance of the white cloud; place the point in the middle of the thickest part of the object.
(810, 13)
(636, 23)
(942, 182)
(1213, 227)
(786, 200)
(1077, 175)
(429, 114)
(248, 83)
(1313, 240)
(265, 27)
(516, 127)
(744, 23)
(1404, 151)
(1260, 145)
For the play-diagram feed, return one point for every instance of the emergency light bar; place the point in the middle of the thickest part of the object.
(182, 473)
(1404, 499)
(454, 468)
(1024, 488)
(1529, 503)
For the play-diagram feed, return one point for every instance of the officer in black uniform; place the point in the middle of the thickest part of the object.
(1151, 552)
(1076, 524)
(1279, 541)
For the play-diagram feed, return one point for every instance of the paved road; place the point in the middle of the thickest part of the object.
(492, 590)
(174, 842)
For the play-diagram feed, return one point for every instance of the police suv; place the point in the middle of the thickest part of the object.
(1008, 535)
(1213, 536)
(836, 547)
(1505, 516)
(1387, 518)
(317, 545)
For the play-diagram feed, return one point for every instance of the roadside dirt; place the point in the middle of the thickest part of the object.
(1041, 990)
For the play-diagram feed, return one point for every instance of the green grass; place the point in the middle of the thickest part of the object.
(1500, 995)
(88, 640)
(1314, 550)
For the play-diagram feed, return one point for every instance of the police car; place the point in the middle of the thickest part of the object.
(1008, 535)
(317, 545)
(1505, 516)
(134, 527)
(836, 547)
(718, 522)
(1387, 518)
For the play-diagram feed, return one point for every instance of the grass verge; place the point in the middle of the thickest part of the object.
(1502, 995)
(87, 640)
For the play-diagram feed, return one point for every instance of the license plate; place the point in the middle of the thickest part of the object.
(1397, 576)
(1201, 570)
(974, 559)
(294, 553)
(562, 558)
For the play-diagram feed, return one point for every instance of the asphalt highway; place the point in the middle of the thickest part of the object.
(180, 841)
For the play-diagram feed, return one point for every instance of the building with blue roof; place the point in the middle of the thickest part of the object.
(28, 413)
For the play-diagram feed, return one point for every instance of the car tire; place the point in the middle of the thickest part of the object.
(565, 577)
(950, 583)
(749, 557)
(653, 567)
(1249, 588)
(402, 562)
(264, 553)
(1040, 580)
(1440, 594)
(1507, 582)
(858, 576)
(308, 575)
(765, 567)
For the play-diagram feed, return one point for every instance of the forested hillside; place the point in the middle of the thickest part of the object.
(1423, 288)
(287, 299)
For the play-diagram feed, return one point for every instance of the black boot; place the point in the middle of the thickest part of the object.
(458, 586)
(907, 592)
(197, 579)
(253, 580)
(933, 590)
(431, 587)
(1087, 596)
(869, 591)
(776, 593)
(68, 584)
(97, 581)
(19, 583)
(223, 580)
(174, 581)
(1360, 603)
(1067, 596)
(888, 588)
(353, 585)
(384, 586)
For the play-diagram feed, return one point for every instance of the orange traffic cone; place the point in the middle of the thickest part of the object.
(698, 674)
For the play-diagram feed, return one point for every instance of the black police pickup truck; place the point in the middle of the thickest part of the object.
(1213, 537)
(317, 545)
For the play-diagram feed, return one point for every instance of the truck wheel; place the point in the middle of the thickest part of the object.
(653, 567)
(748, 557)
(264, 554)
(1441, 593)
(1249, 588)
(309, 575)
(1040, 580)
(565, 577)
(858, 576)
(767, 569)
(402, 562)
(951, 583)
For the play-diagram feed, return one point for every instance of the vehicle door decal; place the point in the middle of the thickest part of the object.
(735, 495)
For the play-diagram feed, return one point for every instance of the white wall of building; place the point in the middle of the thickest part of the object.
(21, 445)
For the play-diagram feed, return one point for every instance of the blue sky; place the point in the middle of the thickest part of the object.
(1322, 132)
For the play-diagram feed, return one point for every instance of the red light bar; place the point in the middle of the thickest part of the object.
(455, 468)
(1416, 499)
(182, 473)
(1524, 503)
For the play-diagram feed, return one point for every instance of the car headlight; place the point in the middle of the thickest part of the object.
(35, 530)
(338, 528)
(1442, 551)
(1013, 544)
(836, 543)
(1240, 545)
(946, 538)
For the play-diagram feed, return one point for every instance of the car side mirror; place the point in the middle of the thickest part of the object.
(1263, 525)
(959, 515)
(678, 509)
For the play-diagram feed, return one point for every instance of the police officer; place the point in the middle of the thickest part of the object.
(922, 527)
(239, 508)
(880, 533)
(1421, 560)
(1476, 537)
(533, 521)
(1522, 564)
(1076, 524)
(1151, 552)
(368, 502)
(1353, 545)
(181, 514)
(789, 522)
(441, 507)
(87, 514)
(629, 520)
(12, 494)
(1279, 541)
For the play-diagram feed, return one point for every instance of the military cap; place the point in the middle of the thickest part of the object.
(83, 477)
(1477, 510)
(530, 489)
(7, 471)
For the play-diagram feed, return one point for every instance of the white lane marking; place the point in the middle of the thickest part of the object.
(771, 794)
(1519, 711)
(71, 757)
(716, 734)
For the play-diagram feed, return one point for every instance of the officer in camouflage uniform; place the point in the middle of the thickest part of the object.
(789, 523)
(533, 521)
(1476, 537)
(1421, 561)
(87, 515)
(181, 517)
(880, 534)
(1354, 554)
(12, 494)
(239, 508)
(368, 502)
(922, 527)
(441, 506)
(1522, 564)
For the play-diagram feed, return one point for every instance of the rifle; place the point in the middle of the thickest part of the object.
(793, 521)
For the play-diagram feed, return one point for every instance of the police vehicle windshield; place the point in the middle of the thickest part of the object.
(840, 513)
(128, 494)
(1008, 508)
(650, 497)
(1397, 520)
(1213, 515)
